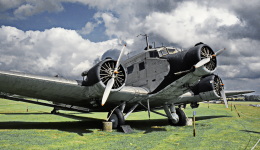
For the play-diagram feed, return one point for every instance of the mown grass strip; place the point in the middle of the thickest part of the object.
(217, 128)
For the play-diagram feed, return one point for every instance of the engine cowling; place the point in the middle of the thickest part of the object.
(209, 87)
(198, 52)
(102, 72)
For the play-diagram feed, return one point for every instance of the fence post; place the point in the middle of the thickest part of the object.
(193, 121)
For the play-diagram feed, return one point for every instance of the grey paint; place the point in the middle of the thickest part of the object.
(137, 88)
(150, 77)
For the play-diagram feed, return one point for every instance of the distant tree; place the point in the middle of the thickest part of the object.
(252, 98)
(5, 94)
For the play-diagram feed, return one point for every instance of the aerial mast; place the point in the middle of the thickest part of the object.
(146, 38)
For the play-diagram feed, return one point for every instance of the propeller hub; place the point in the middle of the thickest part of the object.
(108, 71)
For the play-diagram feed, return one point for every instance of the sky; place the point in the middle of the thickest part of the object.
(67, 37)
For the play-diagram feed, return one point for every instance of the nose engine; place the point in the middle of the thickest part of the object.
(102, 72)
(106, 71)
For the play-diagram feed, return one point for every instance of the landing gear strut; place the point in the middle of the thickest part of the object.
(176, 116)
(54, 111)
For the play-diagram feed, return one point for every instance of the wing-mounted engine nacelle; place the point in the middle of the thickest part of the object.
(209, 87)
(197, 53)
(101, 73)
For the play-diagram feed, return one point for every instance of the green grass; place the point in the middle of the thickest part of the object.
(216, 128)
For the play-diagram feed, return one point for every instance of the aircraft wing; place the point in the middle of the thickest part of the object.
(175, 91)
(49, 88)
(231, 93)
(180, 91)
(64, 91)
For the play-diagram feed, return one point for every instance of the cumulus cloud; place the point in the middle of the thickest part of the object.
(33, 7)
(25, 8)
(50, 52)
(88, 28)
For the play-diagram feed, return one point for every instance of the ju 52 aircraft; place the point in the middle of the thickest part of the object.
(157, 78)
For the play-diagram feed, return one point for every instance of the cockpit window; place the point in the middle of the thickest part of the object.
(171, 50)
(164, 52)
(153, 54)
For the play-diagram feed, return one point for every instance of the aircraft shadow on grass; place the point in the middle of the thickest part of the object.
(158, 124)
(209, 117)
(85, 124)
(44, 113)
(80, 127)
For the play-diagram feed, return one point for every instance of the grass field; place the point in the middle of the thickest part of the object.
(216, 128)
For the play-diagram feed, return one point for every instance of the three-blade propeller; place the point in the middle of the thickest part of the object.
(111, 82)
(200, 63)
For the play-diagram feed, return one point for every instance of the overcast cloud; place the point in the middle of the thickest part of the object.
(233, 25)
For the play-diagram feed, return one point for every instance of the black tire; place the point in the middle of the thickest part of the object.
(117, 119)
(182, 118)
(114, 120)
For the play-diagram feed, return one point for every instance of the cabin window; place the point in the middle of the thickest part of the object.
(153, 54)
(130, 69)
(141, 66)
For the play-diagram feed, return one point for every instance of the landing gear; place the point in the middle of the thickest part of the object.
(117, 118)
(176, 116)
(182, 118)
(54, 111)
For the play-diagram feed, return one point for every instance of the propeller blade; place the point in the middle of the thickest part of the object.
(223, 95)
(111, 82)
(119, 58)
(199, 64)
(182, 72)
(202, 62)
(220, 51)
(109, 86)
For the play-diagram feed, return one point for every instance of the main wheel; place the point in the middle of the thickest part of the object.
(182, 118)
(114, 120)
(117, 119)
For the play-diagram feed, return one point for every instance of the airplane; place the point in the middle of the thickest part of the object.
(166, 78)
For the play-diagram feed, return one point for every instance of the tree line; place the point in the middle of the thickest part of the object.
(245, 98)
